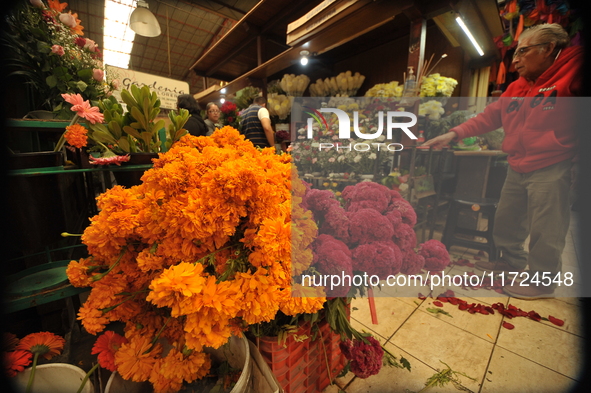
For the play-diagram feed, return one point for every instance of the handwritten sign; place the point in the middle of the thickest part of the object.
(167, 89)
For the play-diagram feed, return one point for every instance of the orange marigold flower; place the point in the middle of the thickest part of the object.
(106, 346)
(177, 367)
(136, 359)
(46, 344)
(177, 286)
(93, 320)
(76, 135)
(77, 273)
(16, 361)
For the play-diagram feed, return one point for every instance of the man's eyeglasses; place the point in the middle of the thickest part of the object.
(213, 111)
(524, 49)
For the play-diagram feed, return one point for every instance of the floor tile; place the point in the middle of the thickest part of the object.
(485, 327)
(510, 373)
(571, 314)
(396, 380)
(432, 340)
(391, 314)
(553, 348)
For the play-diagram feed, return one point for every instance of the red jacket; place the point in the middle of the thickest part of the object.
(539, 122)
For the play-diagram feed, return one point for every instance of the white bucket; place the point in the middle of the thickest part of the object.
(236, 352)
(54, 377)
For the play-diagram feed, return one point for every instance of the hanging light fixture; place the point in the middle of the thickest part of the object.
(304, 58)
(143, 22)
(460, 22)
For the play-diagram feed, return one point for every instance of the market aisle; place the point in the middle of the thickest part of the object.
(531, 357)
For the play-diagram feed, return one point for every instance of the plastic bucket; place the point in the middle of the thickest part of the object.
(53, 378)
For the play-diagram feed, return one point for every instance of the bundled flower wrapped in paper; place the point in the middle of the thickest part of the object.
(436, 85)
(196, 253)
(293, 85)
(279, 105)
(392, 89)
(345, 84)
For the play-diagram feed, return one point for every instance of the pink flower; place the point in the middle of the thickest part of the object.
(117, 160)
(435, 254)
(90, 45)
(83, 108)
(58, 50)
(68, 20)
(98, 74)
(115, 83)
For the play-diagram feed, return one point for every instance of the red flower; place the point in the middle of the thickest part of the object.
(80, 41)
(507, 325)
(438, 303)
(117, 160)
(45, 344)
(16, 361)
(366, 359)
(556, 321)
(106, 346)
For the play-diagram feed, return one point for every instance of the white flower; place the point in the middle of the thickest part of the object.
(372, 156)
(381, 138)
(357, 158)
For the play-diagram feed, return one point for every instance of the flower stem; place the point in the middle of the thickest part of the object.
(99, 276)
(32, 375)
(62, 139)
(88, 374)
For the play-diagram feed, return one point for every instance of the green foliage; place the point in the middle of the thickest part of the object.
(244, 97)
(27, 39)
(175, 128)
(143, 107)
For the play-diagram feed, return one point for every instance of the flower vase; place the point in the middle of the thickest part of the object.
(133, 177)
(53, 378)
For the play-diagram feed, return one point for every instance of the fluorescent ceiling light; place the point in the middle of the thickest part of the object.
(118, 36)
(469, 34)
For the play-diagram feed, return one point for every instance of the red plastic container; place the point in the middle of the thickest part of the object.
(302, 367)
(291, 362)
(330, 357)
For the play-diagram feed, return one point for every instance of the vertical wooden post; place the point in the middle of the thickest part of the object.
(416, 58)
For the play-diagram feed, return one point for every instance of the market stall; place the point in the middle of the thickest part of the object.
(213, 265)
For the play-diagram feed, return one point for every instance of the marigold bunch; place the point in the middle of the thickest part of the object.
(196, 253)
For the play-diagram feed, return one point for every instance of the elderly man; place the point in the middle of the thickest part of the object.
(540, 141)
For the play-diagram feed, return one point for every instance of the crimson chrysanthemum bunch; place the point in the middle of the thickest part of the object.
(376, 224)
(365, 356)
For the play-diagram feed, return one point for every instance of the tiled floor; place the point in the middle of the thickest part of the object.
(533, 357)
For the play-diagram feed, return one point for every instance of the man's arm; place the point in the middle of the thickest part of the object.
(266, 123)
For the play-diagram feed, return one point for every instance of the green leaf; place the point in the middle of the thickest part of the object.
(139, 116)
(127, 98)
(405, 363)
(81, 85)
(104, 137)
(115, 129)
(85, 74)
(132, 131)
(51, 81)
(438, 311)
(123, 144)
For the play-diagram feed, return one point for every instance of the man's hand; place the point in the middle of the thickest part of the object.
(441, 140)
